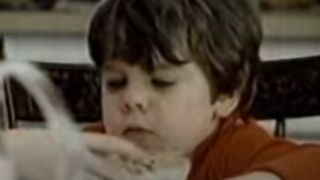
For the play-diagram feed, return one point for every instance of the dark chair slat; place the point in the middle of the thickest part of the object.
(288, 89)
(79, 84)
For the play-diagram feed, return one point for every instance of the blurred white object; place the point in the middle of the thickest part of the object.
(62, 132)
(6, 169)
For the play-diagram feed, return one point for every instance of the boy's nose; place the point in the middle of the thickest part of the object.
(134, 102)
(128, 107)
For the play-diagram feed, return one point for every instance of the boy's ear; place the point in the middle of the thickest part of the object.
(226, 104)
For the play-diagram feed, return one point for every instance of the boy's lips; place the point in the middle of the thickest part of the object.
(136, 130)
(143, 138)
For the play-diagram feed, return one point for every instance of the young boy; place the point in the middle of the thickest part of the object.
(179, 75)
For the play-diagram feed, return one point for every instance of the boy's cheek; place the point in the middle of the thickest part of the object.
(188, 129)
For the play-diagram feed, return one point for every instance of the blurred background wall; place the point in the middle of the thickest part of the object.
(54, 30)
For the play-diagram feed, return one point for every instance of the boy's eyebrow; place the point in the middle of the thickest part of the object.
(158, 67)
(109, 66)
(165, 66)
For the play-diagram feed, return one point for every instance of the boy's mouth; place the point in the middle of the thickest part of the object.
(136, 130)
(144, 138)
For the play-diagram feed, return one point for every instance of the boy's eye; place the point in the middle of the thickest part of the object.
(160, 83)
(116, 84)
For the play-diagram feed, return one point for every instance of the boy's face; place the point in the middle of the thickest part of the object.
(166, 110)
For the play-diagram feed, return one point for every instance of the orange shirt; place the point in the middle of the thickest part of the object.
(239, 148)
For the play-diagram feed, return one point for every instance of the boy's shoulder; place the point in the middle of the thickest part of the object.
(240, 148)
